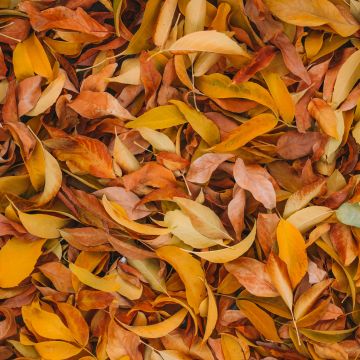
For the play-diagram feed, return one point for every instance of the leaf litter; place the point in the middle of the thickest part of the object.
(179, 179)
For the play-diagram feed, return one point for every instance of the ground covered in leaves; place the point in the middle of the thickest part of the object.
(179, 179)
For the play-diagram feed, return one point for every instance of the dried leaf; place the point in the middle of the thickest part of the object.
(160, 329)
(210, 41)
(252, 274)
(312, 13)
(292, 251)
(17, 260)
(189, 271)
(255, 180)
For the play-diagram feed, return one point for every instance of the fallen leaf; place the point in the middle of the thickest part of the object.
(255, 180)
(18, 258)
(220, 86)
(199, 122)
(246, 132)
(203, 219)
(107, 283)
(312, 13)
(230, 253)
(202, 168)
(292, 250)
(160, 329)
(260, 319)
(210, 41)
(92, 105)
(83, 155)
(279, 275)
(252, 274)
(189, 271)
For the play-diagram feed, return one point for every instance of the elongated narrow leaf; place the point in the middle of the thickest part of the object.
(190, 272)
(230, 253)
(210, 41)
(292, 251)
(161, 329)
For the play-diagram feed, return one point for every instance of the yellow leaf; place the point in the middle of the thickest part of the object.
(312, 13)
(64, 47)
(279, 275)
(331, 43)
(292, 251)
(212, 314)
(260, 319)
(53, 179)
(75, 322)
(347, 77)
(21, 61)
(199, 122)
(281, 96)
(167, 299)
(325, 116)
(169, 355)
(161, 117)
(308, 299)
(313, 43)
(313, 316)
(209, 41)
(107, 283)
(129, 72)
(256, 126)
(17, 260)
(160, 329)
(302, 197)
(234, 348)
(330, 336)
(205, 61)
(140, 40)
(38, 57)
(42, 225)
(164, 22)
(221, 87)
(189, 271)
(27, 351)
(158, 140)
(124, 157)
(150, 269)
(180, 225)
(35, 165)
(128, 289)
(117, 7)
(56, 350)
(310, 216)
(220, 22)
(181, 70)
(195, 14)
(118, 214)
(17, 184)
(230, 253)
(203, 218)
(330, 251)
(46, 324)
(49, 95)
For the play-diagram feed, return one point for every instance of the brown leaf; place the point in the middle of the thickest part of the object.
(61, 17)
(29, 91)
(253, 276)
(256, 180)
(93, 105)
(83, 155)
(344, 243)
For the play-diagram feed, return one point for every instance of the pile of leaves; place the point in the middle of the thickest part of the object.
(179, 179)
